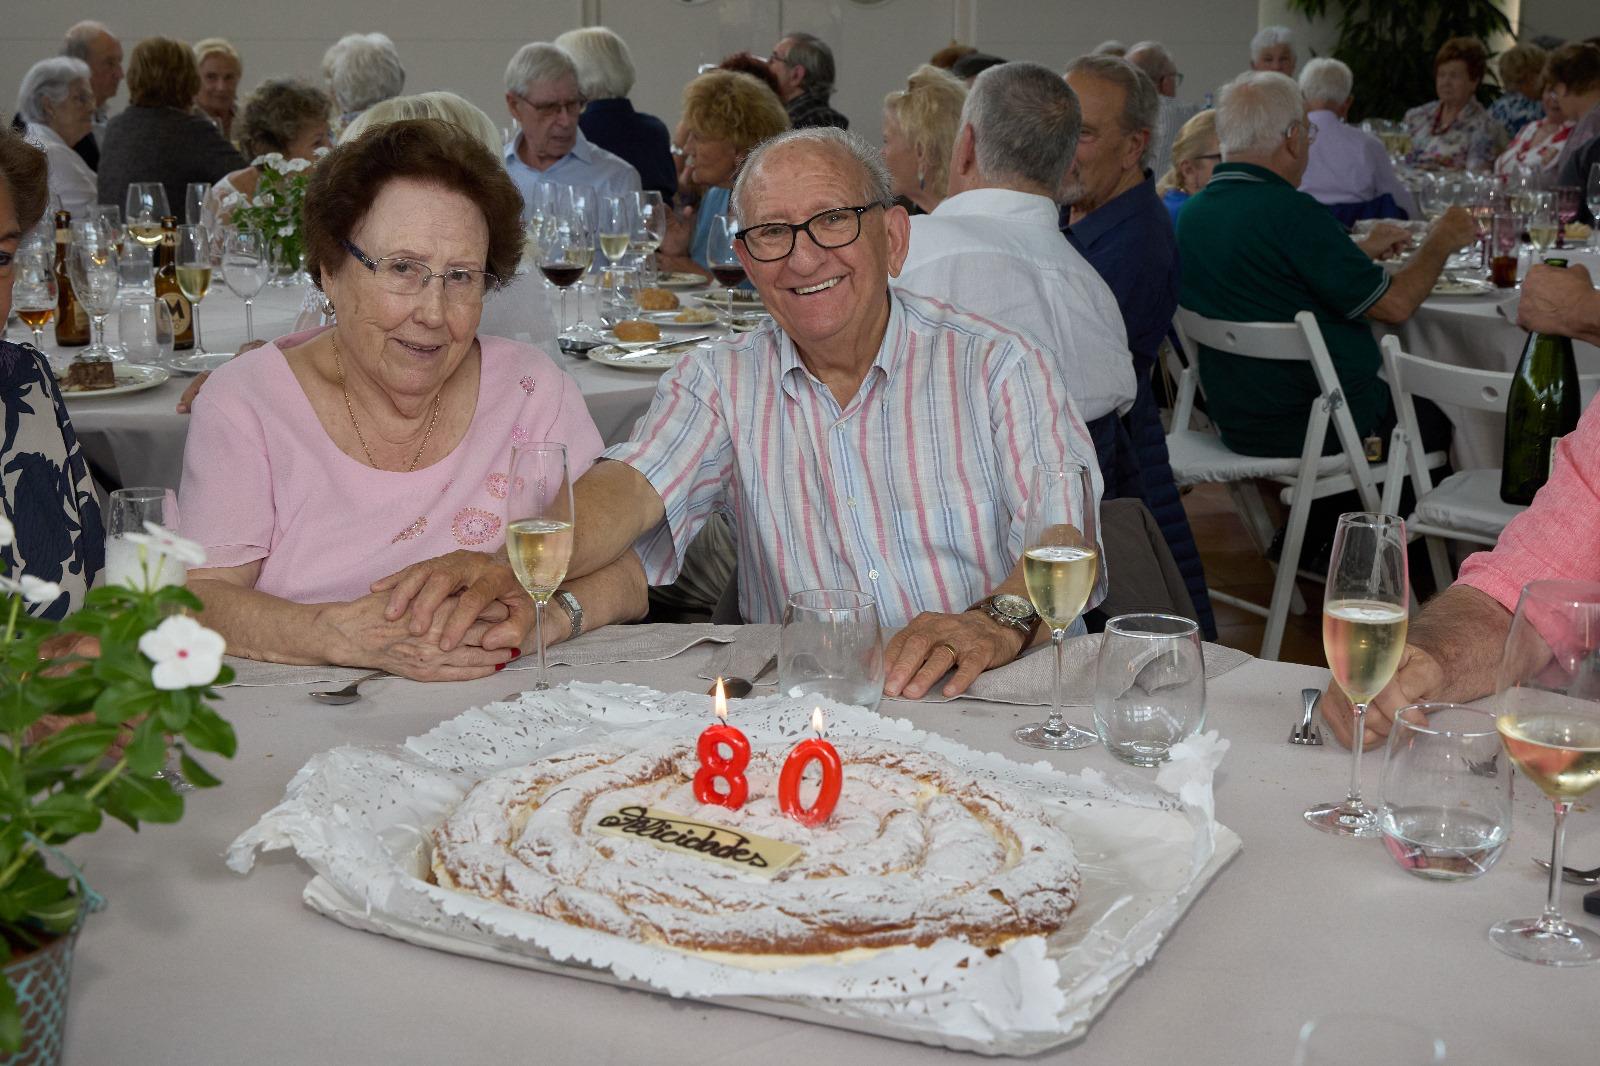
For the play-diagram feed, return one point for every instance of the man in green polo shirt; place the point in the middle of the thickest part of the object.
(1255, 249)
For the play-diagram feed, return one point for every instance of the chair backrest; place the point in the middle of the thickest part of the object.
(1297, 341)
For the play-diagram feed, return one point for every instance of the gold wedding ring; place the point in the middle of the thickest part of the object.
(955, 656)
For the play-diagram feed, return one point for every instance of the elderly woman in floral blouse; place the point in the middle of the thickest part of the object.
(1455, 132)
(1538, 144)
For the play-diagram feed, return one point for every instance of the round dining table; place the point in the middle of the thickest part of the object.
(192, 963)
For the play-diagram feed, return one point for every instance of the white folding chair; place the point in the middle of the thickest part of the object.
(1466, 505)
(1200, 457)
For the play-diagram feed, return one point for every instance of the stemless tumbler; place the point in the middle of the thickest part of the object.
(1445, 807)
(830, 646)
(1149, 686)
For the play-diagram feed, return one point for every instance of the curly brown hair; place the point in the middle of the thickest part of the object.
(26, 172)
(276, 113)
(733, 107)
(1577, 66)
(162, 73)
(346, 181)
(1469, 50)
(748, 62)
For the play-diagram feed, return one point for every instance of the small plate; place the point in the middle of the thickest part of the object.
(131, 377)
(742, 298)
(200, 364)
(1461, 287)
(671, 280)
(612, 355)
(669, 319)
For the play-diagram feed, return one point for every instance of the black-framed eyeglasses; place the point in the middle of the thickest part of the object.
(555, 107)
(404, 276)
(833, 228)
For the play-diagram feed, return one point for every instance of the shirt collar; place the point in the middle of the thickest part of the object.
(1108, 216)
(791, 370)
(582, 151)
(43, 135)
(1245, 173)
(1006, 203)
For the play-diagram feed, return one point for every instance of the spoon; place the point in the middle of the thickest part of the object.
(737, 687)
(341, 696)
(1572, 875)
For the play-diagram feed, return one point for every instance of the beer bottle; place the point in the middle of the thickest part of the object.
(167, 290)
(72, 321)
(1543, 407)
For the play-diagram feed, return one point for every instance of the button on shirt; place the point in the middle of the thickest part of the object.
(586, 164)
(998, 254)
(1348, 165)
(936, 449)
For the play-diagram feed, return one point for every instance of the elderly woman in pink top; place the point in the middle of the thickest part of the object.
(321, 466)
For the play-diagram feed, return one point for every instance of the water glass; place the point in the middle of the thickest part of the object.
(194, 203)
(620, 300)
(131, 564)
(245, 269)
(137, 268)
(830, 646)
(1445, 807)
(144, 327)
(1149, 686)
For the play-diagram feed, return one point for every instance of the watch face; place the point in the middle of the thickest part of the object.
(1013, 607)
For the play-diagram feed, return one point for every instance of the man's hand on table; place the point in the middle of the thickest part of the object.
(366, 637)
(1385, 239)
(1551, 297)
(1418, 677)
(920, 654)
(472, 583)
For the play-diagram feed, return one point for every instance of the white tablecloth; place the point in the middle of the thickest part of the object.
(193, 964)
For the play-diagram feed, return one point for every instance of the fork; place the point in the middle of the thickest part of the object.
(1307, 732)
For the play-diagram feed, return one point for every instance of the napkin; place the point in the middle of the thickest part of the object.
(756, 645)
(1508, 307)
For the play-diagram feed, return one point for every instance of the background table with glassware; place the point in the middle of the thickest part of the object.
(1300, 924)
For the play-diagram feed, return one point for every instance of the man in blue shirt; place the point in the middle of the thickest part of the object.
(1114, 217)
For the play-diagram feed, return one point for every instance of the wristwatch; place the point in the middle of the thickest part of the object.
(569, 603)
(1009, 610)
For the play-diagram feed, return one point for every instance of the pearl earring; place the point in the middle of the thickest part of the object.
(922, 181)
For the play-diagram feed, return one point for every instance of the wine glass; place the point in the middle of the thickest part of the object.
(1061, 564)
(1548, 701)
(616, 228)
(1568, 199)
(110, 219)
(145, 207)
(194, 273)
(539, 529)
(144, 329)
(244, 269)
(92, 269)
(722, 256)
(537, 210)
(649, 229)
(830, 646)
(1542, 220)
(34, 293)
(194, 202)
(1364, 617)
(1593, 193)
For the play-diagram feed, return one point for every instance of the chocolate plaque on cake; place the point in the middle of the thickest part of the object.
(679, 833)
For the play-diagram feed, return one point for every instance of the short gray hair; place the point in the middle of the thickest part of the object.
(809, 51)
(605, 67)
(48, 79)
(81, 36)
(1254, 110)
(1142, 107)
(1326, 81)
(1025, 122)
(536, 62)
(1268, 36)
(1153, 58)
(875, 186)
(1112, 47)
(366, 69)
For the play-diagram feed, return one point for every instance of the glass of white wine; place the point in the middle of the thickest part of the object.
(145, 207)
(649, 229)
(616, 228)
(1542, 221)
(1548, 706)
(1061, 563)
(539, 529)
(1364, 617)
(194, 274)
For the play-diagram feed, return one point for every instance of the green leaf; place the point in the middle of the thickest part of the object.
(34, 888)
(146, 750)
(64, 815)
(73, 746)
(208, 731)
(196, 774)
(10, 1020)
(143, 799)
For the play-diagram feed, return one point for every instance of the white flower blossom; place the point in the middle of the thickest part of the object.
(169, 543)
(271, 159)
(295, 165)
(8, 586)
(286, 231)
(186, 654)
(8, 532)
(38, 590)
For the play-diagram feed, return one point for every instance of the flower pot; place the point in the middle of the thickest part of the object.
(42, 979)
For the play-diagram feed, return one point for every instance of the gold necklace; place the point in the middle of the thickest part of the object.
(433, 421)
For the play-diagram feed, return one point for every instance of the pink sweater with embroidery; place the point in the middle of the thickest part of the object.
(263, 480)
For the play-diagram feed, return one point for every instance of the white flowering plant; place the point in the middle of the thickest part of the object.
(88, 708)
(274, 210)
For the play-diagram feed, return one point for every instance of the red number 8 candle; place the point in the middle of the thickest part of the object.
(794, 767)
(713, 765)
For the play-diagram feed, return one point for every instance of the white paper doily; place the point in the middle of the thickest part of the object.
(360, 817)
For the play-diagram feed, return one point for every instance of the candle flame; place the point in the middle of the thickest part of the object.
(818, 723)
(720, 704)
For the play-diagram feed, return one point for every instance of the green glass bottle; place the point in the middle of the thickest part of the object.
(1544, 406)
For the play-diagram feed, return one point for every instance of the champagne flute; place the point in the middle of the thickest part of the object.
(1548, 702)
(34, 293)
(194, 274)
(616, 228)
(1593, 193)
(1541, 220)
(194, 202)
(1061, 564)
(649, 229)
(722, 256)
(1364, 617)
(92, 269)
(145, 207)
(244, 269)
(539, 529)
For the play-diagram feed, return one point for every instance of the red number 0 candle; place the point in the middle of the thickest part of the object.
(713, 765)
(794, 767)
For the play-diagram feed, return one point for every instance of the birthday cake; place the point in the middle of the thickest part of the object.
(915, 850)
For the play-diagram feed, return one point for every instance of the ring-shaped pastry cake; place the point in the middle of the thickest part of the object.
(917, 849)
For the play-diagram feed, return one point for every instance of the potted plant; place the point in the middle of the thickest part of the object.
(88, 706)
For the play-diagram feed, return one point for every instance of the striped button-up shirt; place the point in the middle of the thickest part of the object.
(913, 492)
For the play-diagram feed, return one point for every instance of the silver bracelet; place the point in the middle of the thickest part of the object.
(569, 603)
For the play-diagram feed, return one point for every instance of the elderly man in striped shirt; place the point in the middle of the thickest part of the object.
(869, 439)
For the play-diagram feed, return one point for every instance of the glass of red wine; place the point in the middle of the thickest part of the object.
(723, 258)
(566, 247)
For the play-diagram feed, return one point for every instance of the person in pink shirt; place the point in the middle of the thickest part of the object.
(1454, 643)
(321, 466)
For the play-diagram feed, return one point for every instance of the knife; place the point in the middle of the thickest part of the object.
(656, 349)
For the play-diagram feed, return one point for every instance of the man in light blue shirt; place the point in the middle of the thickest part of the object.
(542, 95)
(1348, 165)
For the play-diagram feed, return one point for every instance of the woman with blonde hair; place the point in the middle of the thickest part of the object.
(919, 133)
(1522, 77)
(220, 68)
(1195, 153)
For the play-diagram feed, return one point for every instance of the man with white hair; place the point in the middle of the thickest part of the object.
(363, 69)
(1255, 249)
(543, 96)
(97, 46)
(1348, 166)
(1272, 48)
(605, 77)
(1153, 58)
(1114, 217)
